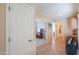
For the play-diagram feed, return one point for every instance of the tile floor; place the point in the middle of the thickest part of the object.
(40, 42)
(58, 48)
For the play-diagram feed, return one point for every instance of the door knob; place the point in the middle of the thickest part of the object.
(30, 40)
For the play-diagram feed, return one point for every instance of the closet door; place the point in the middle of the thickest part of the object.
(21, 21)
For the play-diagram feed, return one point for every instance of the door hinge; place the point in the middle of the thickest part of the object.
(9, 40)
(9, 8)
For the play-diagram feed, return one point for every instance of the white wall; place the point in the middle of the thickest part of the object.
(40, 25)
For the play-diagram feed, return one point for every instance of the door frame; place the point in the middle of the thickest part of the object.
(54, 34)
(7, 17)
(7, 28)
(45, 28)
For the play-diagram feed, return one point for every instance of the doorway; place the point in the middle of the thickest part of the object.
(40, 33)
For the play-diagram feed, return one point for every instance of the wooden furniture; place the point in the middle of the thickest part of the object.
(41, 34)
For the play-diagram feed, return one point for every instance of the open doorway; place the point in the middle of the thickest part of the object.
(40, 33)
(58, 38)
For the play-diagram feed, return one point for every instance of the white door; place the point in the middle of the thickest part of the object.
(21, 22)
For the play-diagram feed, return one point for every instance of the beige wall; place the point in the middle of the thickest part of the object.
(2, 29)
(49, 36)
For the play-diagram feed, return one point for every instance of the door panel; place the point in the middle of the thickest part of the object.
(60, 30)
(21, 18)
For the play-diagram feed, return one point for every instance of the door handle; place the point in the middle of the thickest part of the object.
(30, 40)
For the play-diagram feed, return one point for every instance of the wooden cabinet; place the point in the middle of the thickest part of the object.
(72, 21)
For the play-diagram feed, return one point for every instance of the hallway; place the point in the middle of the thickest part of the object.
(39, 29)
(58, 48)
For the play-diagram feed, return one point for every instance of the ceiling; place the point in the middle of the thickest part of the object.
(58, 10)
